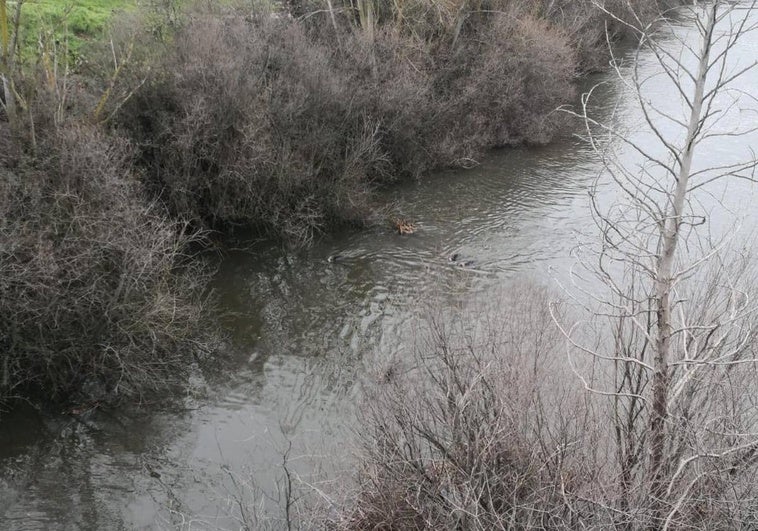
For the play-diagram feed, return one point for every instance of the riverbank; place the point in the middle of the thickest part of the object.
(288, 121)
(282, 120)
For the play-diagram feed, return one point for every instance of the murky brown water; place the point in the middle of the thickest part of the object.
(305, 333)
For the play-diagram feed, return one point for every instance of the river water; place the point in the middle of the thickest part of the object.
(306, 332)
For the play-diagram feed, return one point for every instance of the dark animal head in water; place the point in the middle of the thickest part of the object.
(454, 257)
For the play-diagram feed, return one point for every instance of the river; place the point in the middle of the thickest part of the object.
(305, 333)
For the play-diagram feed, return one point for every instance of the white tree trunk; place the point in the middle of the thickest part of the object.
(670, 233)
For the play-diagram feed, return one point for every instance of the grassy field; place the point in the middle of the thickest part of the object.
(84, 19)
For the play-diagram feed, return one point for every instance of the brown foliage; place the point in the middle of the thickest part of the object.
(465, 435)
(249, 125)
(92, 301)
(279, 124)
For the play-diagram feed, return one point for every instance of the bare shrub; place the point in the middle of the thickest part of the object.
(478, 431)
(444, 22)
(508, 81)
(275, 123)
(440, 107)
(589, 27)
(483, 428)
(98, 298)
(249, 124)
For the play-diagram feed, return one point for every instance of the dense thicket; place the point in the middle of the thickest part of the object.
(97, 298)
(286, 121)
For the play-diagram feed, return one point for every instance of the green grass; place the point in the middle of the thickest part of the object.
(84, 17)
(82, 20)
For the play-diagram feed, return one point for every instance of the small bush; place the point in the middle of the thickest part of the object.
(465, 435)
(96, 296)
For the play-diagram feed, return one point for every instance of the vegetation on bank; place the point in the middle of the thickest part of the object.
(100, 296)
(99, 299)
(288, 120)
(283, 118)
(483, 424)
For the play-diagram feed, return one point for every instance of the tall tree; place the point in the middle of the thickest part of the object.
(679, 346)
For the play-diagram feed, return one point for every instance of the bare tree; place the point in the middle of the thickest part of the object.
(676, 362)
(475, 426)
